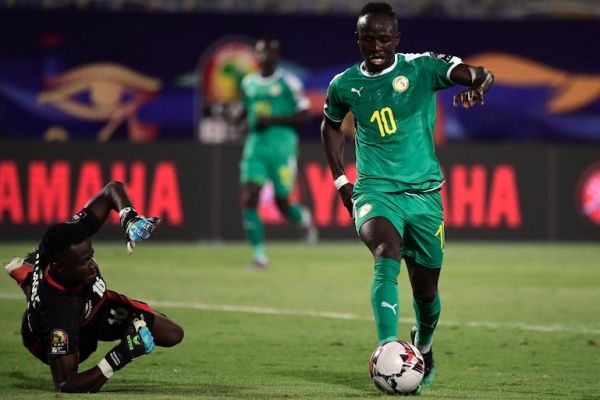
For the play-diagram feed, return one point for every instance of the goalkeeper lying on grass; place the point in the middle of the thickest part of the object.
(70, 308)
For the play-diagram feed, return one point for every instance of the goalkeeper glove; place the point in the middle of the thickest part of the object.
(137, 341)
(137, 227)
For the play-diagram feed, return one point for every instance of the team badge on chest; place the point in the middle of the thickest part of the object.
(275, 90)
(400, 83)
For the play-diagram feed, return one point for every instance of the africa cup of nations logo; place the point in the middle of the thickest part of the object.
(219, 107)
(589, 194)
(223, 66)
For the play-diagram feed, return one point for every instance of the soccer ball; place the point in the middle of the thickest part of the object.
(396, 367)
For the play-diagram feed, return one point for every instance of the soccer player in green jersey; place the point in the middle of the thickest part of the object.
(275, 103)
(395, 201)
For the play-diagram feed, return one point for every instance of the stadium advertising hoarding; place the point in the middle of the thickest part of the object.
(43, 184)
(139, 80)
(491, 192)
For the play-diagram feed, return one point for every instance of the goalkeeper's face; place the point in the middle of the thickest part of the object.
(76, 265)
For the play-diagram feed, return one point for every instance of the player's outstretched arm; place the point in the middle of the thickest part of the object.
(137, 341)
(333, 142)
(478, 79)
(114, 196)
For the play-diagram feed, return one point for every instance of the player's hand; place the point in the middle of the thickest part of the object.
(346, 195)
(468, 98)
(139, 228)
(136, 342)
(481, 84)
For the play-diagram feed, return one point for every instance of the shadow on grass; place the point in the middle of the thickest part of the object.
(359, 385)
(22, 381)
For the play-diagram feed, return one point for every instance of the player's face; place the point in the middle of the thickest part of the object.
(77, 264)
(267, 54)
(377, 40)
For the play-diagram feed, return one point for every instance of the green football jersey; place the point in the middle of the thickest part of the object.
(280, 94)
(394, 112)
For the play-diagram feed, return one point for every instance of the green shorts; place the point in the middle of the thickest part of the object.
(418, 218)
(281, 170)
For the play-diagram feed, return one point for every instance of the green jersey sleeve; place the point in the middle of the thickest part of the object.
(297, 90)
(438, 67)
(335, 108)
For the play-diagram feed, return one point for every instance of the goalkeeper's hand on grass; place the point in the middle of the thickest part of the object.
(137, 341)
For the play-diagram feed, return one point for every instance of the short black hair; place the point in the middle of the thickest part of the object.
(378, 8)
(59, 238)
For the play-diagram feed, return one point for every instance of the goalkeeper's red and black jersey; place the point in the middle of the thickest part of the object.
(60, 320)
(57, 317)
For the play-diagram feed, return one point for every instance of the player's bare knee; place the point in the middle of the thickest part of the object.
(387, 250)
(424, 294)
(114, 185)
(173, 335)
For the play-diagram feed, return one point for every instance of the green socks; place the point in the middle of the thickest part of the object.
(254, 229)
(295, 213)
(427, 316)
(384, 298)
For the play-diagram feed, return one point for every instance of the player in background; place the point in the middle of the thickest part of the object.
(395, 201)
(274, 104)
(70, 309)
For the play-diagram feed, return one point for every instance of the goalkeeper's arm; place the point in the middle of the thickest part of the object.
(136, 342)
(114, 196)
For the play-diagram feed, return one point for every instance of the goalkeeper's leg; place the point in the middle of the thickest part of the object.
(21, 270)
(166, 332)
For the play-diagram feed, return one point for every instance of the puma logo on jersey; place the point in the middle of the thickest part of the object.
(357, 91)
(385, 304)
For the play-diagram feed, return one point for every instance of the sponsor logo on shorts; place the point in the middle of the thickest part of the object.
(59, 342)
(400, 83)
(364, 210)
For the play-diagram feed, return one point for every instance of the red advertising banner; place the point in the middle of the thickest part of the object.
(491, 192)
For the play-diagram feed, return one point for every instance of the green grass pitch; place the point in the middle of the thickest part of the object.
(519, 321)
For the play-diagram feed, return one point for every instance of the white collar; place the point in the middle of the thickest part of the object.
(363, 70)
(263, 80)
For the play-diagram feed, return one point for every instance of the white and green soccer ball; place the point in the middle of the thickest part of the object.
(397, 367)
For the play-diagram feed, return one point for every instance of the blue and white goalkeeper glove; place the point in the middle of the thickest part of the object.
(137, 227)
(137, 342)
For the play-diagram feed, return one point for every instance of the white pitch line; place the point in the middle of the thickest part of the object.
(349, 316)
